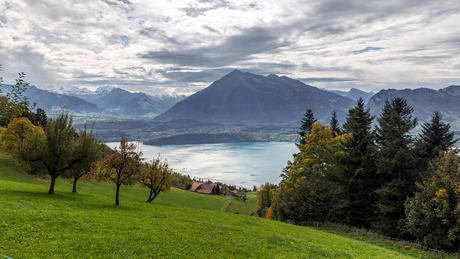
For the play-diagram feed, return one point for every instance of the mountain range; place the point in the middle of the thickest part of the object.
(241, 98)
(424, 101)
(104, 102)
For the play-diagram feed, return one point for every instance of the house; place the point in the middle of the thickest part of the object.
(205, 188)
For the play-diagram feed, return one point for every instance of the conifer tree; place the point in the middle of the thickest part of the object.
(358, 164)
(435, 136)
(335, 126)
(396, 165)
(307, 124)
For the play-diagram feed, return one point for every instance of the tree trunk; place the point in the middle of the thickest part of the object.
(117, 194)
(152, 196)
(53, 182)
(74, 187)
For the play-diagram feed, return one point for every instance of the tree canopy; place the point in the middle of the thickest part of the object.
(122, 166)
(56, 152)
(433, 213)
(157, 176)
(14, 103)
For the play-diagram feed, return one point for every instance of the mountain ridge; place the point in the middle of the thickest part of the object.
(245, 97)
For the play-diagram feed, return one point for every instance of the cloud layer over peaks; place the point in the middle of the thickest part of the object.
(182, 45)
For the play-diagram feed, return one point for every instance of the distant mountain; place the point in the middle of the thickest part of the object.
(355, 94)
(53, 102)
(248, 98)
(167, 99)
(131, 104)
(162, 100)
(425, 101)
(202, 138)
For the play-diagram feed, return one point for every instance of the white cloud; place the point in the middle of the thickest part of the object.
(184, 45)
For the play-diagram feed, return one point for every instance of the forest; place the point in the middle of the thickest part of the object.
(379, 177)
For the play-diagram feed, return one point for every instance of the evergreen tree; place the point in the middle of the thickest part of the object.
(433, 214)
(307, 124)
(335, 126)
(435, 136)
(38, 118)
(358, 164)
(396, 165)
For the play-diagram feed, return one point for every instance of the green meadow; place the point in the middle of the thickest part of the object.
(178, 224)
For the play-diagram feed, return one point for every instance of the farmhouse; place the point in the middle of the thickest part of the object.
(206, 188)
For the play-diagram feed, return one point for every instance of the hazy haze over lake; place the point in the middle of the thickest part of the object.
(242, 164)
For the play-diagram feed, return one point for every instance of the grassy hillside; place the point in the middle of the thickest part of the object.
(179, 224)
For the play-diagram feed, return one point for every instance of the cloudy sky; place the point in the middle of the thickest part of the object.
(184, 45)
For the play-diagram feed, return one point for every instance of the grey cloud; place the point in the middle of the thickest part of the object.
(326, 79)
(313, 40)
(233, 49)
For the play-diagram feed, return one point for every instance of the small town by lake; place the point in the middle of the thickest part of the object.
(243, 164)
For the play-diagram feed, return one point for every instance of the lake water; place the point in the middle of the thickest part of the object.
(242, 164)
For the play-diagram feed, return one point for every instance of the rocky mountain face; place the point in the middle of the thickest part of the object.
(355, 94)
(425, 101)
(248, 98)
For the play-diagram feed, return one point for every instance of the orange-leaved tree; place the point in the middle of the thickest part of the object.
(122, 166)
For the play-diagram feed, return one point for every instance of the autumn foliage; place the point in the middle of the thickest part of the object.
(122, 166)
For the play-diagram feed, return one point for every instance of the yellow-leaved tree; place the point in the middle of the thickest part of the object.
(19, 129)
(312, 188)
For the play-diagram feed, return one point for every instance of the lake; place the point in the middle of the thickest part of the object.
(243, 164)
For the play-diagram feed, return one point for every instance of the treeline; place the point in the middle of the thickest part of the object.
(381, 178)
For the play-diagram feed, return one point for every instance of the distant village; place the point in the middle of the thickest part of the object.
(212, 188)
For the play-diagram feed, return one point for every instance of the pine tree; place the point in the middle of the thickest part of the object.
(435, 136)
(396, 165)
(358, 164)
(307, 124)
(335, 126)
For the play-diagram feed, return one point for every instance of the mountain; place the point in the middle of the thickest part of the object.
(355, 94)
(54, 102)
(425, 101)
(162, 100)
(248, 98)
(130, 104)
(167, 99)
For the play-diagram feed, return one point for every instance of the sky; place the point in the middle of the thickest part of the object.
(182, 46)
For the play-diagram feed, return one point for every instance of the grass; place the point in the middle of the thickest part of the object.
(178, 224)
